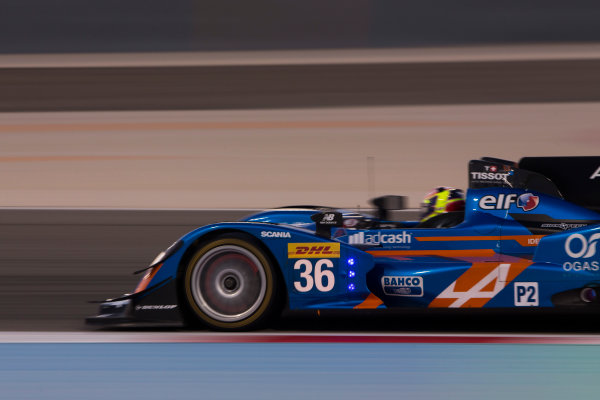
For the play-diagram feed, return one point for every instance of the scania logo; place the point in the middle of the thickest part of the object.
(273, 234)
(577, 246)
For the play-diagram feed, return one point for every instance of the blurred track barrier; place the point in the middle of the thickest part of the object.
(52, 262)
(292, 86)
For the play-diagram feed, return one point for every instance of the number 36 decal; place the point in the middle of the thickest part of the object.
(321, 278)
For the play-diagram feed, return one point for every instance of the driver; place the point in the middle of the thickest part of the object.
(442, 200)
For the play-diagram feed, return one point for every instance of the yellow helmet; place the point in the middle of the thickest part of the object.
(442, 200)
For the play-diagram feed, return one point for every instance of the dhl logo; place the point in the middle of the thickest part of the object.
(313, 250)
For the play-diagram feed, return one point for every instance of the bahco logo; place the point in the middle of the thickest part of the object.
(577, 246)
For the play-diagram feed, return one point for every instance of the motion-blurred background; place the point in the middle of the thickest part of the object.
(191, 104)
(38, 26)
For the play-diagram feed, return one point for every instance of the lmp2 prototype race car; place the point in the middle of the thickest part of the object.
(527, 238)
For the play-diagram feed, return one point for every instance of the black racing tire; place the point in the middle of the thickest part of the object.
(230, 284)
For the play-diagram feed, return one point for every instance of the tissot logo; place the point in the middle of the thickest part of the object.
(484, 176)
(493, 168)
(380, 238)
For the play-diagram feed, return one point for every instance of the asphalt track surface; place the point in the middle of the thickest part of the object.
(297, 371)
(289, 86)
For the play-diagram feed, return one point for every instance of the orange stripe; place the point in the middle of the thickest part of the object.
(523, 240)
(370, 302)
(146, 279)
(475, 303)
(474, 274)
(454, 238)
(516, 269)
(449, 253)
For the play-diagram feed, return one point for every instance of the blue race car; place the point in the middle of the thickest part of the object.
(527, 237)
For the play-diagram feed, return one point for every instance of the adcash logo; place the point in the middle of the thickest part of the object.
(380, 238)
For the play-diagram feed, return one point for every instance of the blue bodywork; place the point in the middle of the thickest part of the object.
(516, 247)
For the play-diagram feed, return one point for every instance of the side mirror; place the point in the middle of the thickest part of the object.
(327, 220)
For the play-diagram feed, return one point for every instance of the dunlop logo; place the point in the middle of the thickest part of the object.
(313, 250)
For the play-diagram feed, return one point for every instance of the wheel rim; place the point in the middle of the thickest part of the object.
(228, 283)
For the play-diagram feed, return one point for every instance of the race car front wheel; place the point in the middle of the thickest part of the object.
(230, 284)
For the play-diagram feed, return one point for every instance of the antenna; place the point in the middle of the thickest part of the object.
(371, 176)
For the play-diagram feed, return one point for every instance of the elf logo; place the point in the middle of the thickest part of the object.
(526, 201)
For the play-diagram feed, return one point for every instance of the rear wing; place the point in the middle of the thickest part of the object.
(576, 179)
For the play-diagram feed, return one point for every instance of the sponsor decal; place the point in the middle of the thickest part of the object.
(493, 168)
(577, 246)
(492, 173)
(526, 201)
(156, 307)
(377, 238)
(479, 284)
(313, 250)
(527, 294)
(490, 176)
(328, 219)
(319, 276)
(273, 234)
(563, 226)
(407, 286)
(596, 174)
(581, 266)
(533, 241)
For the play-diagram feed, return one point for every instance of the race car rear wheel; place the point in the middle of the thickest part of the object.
(230, 284)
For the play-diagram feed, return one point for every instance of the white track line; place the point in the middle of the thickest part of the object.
(269, 337)
(304, 57)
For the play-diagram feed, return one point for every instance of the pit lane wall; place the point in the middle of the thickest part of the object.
(39, 26)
